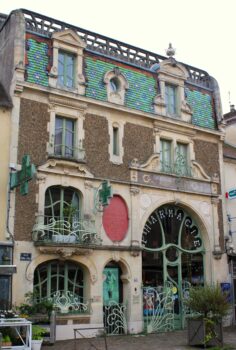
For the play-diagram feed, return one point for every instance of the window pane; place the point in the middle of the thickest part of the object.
(115, 141)
(5, 287)
(182, 159)
(165, 155)
(58, 136)
(64, 137)
(66, 69)
(69, 138)
(61, 63)
(69, 71)
(170, 99)
(51, 277)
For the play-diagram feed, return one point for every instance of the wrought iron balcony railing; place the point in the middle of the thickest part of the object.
(176, 169)
(67, 230)
(67, 302)
(69, 152)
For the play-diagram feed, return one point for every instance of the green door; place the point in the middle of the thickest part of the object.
(172, 260)
(114, 310)
(111, 285)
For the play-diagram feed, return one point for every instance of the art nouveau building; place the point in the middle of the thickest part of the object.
(92, 112)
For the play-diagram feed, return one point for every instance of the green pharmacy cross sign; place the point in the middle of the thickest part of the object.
(21, 178)
(105, 193)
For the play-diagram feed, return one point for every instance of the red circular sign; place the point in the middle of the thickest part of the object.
(115, 219)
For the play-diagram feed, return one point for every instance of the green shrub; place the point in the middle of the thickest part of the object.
(208, 300)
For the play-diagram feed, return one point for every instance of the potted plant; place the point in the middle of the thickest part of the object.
(6, 340)
(207, 304)
(37, 337)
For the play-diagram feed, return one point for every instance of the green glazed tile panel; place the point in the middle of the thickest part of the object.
(141, 87)
(37, 53)
(201, 105)
(141, 90)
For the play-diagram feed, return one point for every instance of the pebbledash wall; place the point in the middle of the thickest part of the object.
(139, 112)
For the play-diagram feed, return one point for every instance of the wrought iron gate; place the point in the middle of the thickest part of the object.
(158, 309)
(114, 318)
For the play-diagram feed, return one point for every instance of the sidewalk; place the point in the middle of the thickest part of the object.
(163, 341)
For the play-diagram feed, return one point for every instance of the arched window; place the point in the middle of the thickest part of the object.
(117, 85)
(62, 203)
(172, 239)
(61, 282)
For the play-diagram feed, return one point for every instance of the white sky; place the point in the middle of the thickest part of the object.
(202, 31)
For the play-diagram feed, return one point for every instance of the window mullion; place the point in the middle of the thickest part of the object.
(49, 276)
(64, 137)
(66, 278)
(65, 70)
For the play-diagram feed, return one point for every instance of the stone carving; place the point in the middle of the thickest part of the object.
(65, 252)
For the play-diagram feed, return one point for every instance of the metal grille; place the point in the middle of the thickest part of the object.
(114, 318)
(158, 309)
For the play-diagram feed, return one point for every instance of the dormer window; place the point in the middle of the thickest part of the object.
(171, 99)
(66, 69)
(116, 84)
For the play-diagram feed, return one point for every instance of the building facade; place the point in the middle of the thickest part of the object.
(124, 213)
(230, 196)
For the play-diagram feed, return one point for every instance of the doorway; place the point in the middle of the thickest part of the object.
(172, 262)
(114, 309)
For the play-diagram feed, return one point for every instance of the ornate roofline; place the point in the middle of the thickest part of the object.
(105, 46)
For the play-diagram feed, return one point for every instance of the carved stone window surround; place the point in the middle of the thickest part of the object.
(116, 85)
(112, 123)
(69, 42)
(62, 108)
(175, 74)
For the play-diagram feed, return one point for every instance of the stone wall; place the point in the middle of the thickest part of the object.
(96, 147)
(207, 155)
(33, 138)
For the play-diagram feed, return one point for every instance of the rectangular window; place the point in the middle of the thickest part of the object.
(5, 288)
(182, 166)
(116, 141)
(64, 144)
(165, 156)
(66, 69)
(170, 99)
